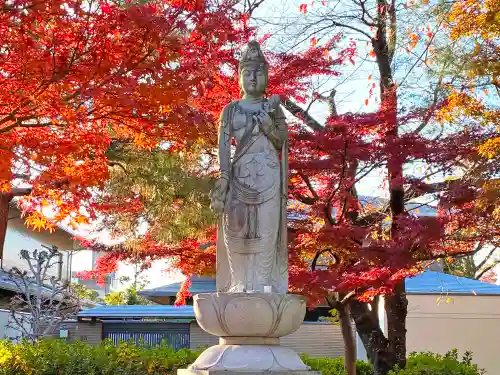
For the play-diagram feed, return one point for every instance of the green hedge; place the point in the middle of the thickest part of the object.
(335, 366)
(56, 357)
(435, 364)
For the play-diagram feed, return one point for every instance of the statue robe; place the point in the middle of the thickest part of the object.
(251, 238)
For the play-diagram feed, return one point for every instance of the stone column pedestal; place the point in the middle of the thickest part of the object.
(249, 326)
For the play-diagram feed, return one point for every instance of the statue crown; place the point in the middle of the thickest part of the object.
(253, 56)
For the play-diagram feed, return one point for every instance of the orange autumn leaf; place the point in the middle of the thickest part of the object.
(81, 220)
(36, 221)
(51, 227)
(414, 39)
(4, 186)
(114, 90)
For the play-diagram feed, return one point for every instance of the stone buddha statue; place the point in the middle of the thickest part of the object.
(251, 309)
(251, 193)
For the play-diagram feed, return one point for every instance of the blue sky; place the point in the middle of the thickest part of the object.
(352, 87)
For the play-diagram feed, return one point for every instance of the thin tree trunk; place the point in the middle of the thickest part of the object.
(349, 344)
(335, 301)
(5, 199)
(397, 308)
(374, 341)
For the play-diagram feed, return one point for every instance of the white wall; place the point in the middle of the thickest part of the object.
(7, 333)
(82, 260)
(466, 322)
(20, 237)
(159, 274)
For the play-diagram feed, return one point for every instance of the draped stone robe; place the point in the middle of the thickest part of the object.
(251, 239)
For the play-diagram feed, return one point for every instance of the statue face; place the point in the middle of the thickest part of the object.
(253, 80)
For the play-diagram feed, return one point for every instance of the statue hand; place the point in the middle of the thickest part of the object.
(219, 195)
(217, 206)
(265, 121)
(274, 102)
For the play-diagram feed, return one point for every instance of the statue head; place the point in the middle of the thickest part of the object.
(253, 70)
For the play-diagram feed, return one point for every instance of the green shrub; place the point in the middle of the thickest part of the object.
(435, 364)
(418, 364)
(56, 357)
(335, 366)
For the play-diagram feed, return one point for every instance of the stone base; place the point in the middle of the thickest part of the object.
(249, 314)
(239, 372)
(249, 326)
(253, 358)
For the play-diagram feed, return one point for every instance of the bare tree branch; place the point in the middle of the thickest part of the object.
(486, 269)
(298, 112)
(46, 300)
(486, 258)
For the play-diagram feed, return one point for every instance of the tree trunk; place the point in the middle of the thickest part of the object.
(334, 300)
(5, 199)
(374, 341)
(349, 344)
(397, 308)
(396, 304)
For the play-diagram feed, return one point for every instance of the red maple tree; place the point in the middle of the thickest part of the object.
(78, 77)
(288, 77)
(341, 242)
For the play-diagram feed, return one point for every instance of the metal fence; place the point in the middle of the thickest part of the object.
(176, 335)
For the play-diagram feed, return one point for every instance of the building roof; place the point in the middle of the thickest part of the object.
(139, 311)
(199, 284)
(429, 282)
(432, 282)
(7, 283)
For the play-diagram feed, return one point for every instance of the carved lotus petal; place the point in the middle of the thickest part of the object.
(249, 314)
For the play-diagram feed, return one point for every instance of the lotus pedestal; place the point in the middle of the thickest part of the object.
(249, 326)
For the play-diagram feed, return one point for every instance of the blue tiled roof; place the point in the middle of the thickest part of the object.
(417, 209)
(199, 284)
(432, 282)
(414, 208)
(138, 311)
(429, 282)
